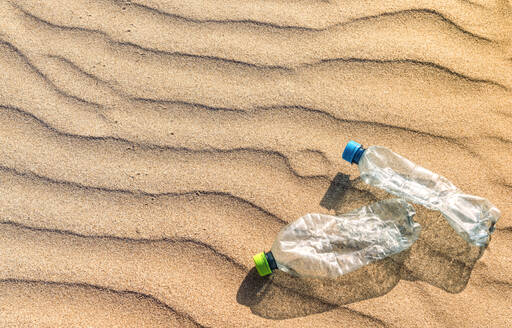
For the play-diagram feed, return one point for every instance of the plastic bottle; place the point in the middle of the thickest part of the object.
(325, 246)
(472, 217)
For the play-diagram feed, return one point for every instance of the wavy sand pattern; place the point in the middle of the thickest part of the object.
(149, 148)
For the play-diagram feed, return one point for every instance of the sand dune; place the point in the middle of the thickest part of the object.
(149, 148)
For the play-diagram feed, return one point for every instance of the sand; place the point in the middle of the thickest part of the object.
(149, 148)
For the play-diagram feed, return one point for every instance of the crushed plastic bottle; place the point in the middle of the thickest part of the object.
(472, 217)
(325, 246)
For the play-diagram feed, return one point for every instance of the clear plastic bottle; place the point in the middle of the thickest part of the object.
(472, 217)
(325, 246)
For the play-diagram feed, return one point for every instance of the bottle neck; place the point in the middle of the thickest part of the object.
(271, 261)
(357, 155)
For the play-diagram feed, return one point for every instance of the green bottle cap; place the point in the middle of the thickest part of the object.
(260, 260)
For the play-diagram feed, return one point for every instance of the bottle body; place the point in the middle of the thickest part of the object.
(472, 217)
(325, 246)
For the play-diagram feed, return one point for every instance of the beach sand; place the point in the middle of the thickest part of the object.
(149, 148)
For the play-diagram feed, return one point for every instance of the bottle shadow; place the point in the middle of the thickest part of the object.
(439, 257)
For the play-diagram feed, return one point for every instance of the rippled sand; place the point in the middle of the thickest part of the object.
(149, 148)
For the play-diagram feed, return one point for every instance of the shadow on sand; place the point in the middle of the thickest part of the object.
(439, 257)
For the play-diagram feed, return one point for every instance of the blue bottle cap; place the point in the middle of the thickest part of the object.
(353, 152)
